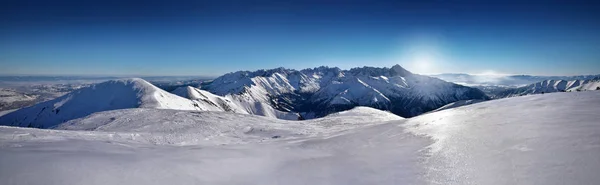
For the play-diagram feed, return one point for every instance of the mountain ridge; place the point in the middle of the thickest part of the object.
(277, 93)
(316, 92)
(550, 86)
(109, 95)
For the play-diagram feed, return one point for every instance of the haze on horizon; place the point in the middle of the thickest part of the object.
(208, 38)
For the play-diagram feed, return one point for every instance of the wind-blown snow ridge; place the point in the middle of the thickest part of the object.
(110, 95)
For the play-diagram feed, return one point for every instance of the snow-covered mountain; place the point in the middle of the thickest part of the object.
(276, 93)
(505, 80)
(320, 91)
(236, 104)
(12, 99)
(550, 86)
(110, 95)
(589, 85)
(207, 99)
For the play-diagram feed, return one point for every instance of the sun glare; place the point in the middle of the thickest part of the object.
(423, 63)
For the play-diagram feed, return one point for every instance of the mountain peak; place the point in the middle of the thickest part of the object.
(109, 95)
(398, 70)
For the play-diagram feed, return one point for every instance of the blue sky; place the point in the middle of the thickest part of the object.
(216, 37)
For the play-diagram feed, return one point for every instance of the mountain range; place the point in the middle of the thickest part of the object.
(505, 80)
(550, 86)
(277, 93)
(320, 91)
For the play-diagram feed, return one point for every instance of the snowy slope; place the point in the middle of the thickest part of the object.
(457, 104)
(8, 96)
(110, 95)
(505, 80)
(550, 86)
(590, 85)
(206, 99)
(237, 104)
(538, 139)
(162, 126)
(320, 91)
(7, 111)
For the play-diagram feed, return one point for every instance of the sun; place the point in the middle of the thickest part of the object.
(423, 62)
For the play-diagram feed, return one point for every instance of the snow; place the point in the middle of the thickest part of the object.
(207, 100)
(156, 126)
(160, 126)
(587, 86)
(546, 86)
(317, 91)
(110, 95)
(11, 95)
(366, 112)
(244, 104)
(536, 139)
(457, 104)
(2, 113)
(506, 80)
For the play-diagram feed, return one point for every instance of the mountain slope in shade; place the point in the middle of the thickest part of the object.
(110, 95)
(236, 104)
(320, 91)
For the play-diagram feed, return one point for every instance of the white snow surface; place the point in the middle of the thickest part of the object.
(587, 86)
(458, 104)
(206, 99)
(536, 139)
(160, 126)
(549, 86)
(238, 104)
(110, 95)
(11, 95)
(2, 113)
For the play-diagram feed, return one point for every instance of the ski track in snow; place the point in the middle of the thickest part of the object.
(537, 139)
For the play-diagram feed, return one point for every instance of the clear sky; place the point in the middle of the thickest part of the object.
(216, 37)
